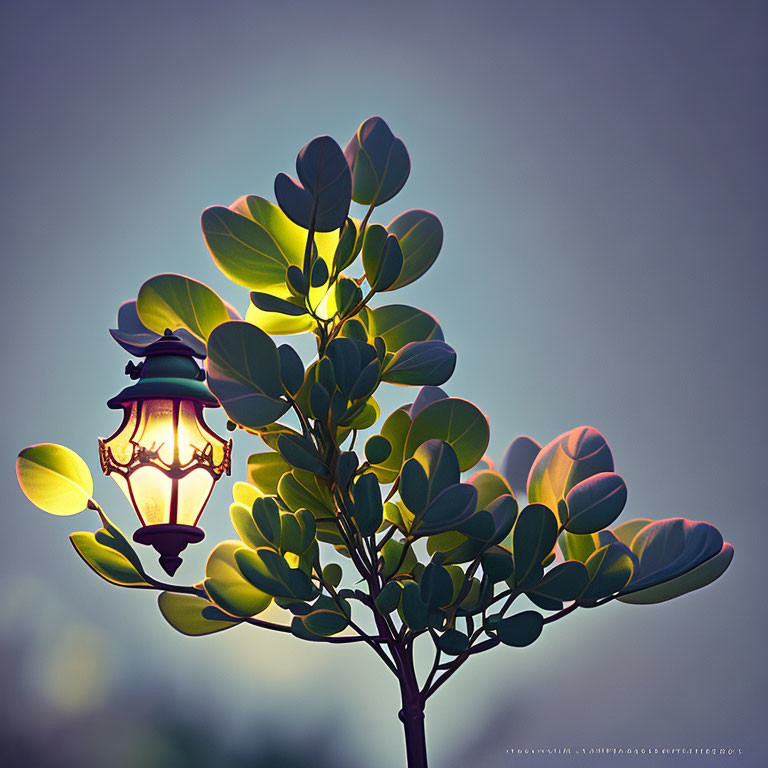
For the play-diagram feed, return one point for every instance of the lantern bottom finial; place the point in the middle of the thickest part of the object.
(169, 540)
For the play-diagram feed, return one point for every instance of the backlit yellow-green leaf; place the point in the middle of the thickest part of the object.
(54, 478)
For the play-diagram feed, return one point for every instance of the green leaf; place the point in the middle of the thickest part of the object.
(320, 202)
(391, 553)
(296, 282)
(517, 462)
(566, 461)
(110, 555)
(243, 523)
(297, 531)
(348, 295)
(433, 468)
(421, 363)
(304, 490)
(319, 275)
(668, 548)
(54, 478)
(521, 629)
(399, 324)
(595, 503)
(413, 610)
(696, 578)
(397, 514)
(382, 258)
(291, 369)
(377, 449)
(268, 571)
(268, 303)
(266, 518)
(395, 430)
(300, 453)
(253, 243)
(610, 570)
(193, 615)
(627, 531)
(497, 564)
(421, 236)
(265, 471)
(490, 486)
(333, 574)
(325, 619)
(379, 162)
(563, 582)
(578, 547)
(245, 493)
(455, 421)
(367, 506)
(226, 585)
(533, 538)
(345, 253)
(174, 301)
(452, 642)
(436, 586)
(244, 374)
(389, 598)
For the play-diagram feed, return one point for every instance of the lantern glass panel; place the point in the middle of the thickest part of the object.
(194, 490)
(152, 491)
(165, 459)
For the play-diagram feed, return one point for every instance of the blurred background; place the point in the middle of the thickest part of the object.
(600, 170)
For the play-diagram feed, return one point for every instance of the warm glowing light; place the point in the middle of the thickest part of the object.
(165, 459)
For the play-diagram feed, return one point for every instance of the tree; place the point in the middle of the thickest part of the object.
(429, 557)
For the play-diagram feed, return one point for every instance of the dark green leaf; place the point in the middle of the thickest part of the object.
(436, 586)
(421, 236)
(452, 642)
(421, 363)
(533, 538)
(563, 582)
(268, 571)
(323, 620)
(377, 449)
(517, 462)
(414, 611)
(610, 569)
(345, 250)
(379, 162)
(244, 374)
(321, 201)
(521, 629)
(348, 295)
(595, 503)
(301, 453)
(367, 505)
(497, 564)
(291, 369)
(269, 303)
(319, 273)
(297, 531)
(296, 282)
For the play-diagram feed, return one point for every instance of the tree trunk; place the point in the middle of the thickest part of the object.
(412, 715)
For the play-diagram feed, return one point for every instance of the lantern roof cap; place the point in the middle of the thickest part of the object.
(168, 371)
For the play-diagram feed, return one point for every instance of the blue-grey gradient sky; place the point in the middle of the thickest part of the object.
(600, 170)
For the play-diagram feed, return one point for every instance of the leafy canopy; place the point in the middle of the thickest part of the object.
(393, 543)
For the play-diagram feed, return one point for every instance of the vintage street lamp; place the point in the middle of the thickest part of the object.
(163, 456)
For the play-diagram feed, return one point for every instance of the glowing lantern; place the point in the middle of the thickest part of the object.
(163, 456)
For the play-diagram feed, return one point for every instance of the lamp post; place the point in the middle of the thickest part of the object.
(163, 456)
